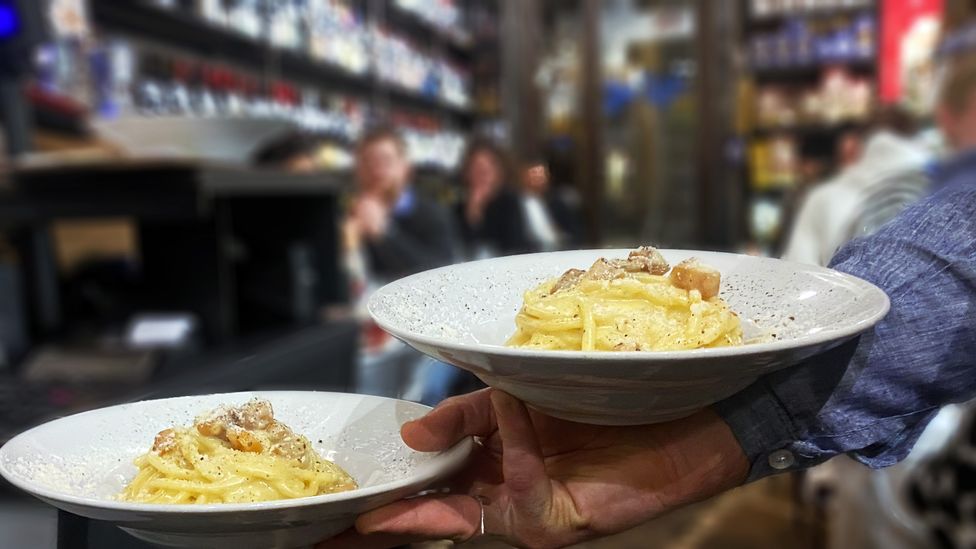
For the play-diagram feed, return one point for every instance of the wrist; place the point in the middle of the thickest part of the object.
(766, 432)
(704, 457)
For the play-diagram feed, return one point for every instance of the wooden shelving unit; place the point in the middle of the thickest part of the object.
(814, 141)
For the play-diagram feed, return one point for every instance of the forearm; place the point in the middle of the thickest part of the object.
(872, 397)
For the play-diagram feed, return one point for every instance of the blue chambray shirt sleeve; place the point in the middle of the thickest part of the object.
(872, 397)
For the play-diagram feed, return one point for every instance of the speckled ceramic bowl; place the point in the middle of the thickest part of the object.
(463, 315)
(79, 463)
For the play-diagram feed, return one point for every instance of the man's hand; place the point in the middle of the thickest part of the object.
(370, 216)
(550, 483)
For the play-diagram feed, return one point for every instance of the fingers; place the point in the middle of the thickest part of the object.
(522, 462)
(351, 539)
(524, 496)
(454, 419)
(454, 517)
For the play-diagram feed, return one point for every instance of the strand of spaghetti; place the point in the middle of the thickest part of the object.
(269, 468)
(553, 325)
(289, 491)
(216, 488)
(168, 469)
(210, 444)
(589, 327)
(550, 311)
(139, 482)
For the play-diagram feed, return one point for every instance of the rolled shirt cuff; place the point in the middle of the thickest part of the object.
(766, 433)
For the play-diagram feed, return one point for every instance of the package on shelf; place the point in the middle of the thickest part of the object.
(775, 107)
(444, 14)
(338, 35)
(215, 12)
(770, 8)
(245, 17)
(429, 143)
(845, 97)
(69, 19)
(800, 42)
(454, 83)
(839, 97)
(286, 24)
(399, 62)
(441, 150)
(765, 219)
(333, 116)
(774, 163)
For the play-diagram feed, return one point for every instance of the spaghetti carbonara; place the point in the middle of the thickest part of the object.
(233, 455)
(631, 304)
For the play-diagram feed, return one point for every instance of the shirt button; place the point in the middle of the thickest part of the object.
(781, 459)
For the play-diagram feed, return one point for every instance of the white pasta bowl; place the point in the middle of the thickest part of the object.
(79, 463)
(463, 314)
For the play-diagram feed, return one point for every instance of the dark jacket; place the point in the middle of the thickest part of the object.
(501, 231)
(565, 213)
(419, 236)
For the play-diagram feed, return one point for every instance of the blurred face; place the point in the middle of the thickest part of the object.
(959, 125)
(850, 149)
(536, 179)
(382, 169)
(484, 174)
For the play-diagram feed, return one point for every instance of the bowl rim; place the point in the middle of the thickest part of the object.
(826, 335)
(452, 457)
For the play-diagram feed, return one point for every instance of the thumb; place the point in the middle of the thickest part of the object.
(523, 465)
(453, 420)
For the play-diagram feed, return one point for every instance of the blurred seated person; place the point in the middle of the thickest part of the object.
(850, 149)
(875, 185)
(399, 231)
(552, 222)
(291, 152)
(890, 173)
(390, 231)
(490, 216)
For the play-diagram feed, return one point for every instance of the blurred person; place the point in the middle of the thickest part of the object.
(292, 152)
(491, 224)
(400, 231)
(850, 149)
(940, 484)
(864, 507)
(490, 216)
(536, 481)
(873, 186)
(390, 231)
(552, 223)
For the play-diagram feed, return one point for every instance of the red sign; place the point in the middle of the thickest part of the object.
(906, 27)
